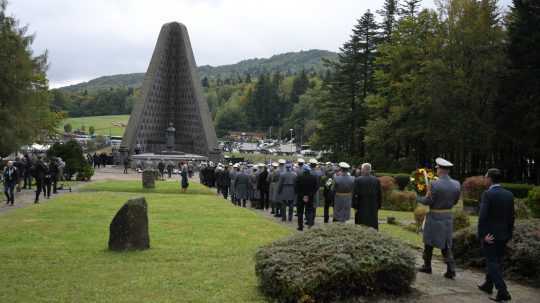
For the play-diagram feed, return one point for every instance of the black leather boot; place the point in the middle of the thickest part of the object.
(426, 268)
(502, 296)
(486, 287)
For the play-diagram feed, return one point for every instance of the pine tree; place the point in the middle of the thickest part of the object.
(388, 13)
(24, 98)
(349, 84)
(299, 87)
(409, 8)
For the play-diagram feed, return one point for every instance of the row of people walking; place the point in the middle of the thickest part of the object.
(284, 188)
(20, 174)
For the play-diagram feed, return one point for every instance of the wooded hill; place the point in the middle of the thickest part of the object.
(287, 64)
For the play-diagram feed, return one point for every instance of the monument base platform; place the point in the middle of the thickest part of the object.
(174, 158)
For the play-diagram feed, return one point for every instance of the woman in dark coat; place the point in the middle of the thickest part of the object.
(184, 177)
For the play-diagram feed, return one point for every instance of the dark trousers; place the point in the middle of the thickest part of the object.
(55, 185)
(47, 187)
(284, 205)
(277, 209)
(494, 254)
(27, 181)
(307, 208)
(126, 169)
(39, 188)
(265, 203)
(447, 254)
(327, 203)
(225, 191)
(9, 191)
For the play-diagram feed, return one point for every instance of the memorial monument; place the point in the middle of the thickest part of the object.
(171, 120)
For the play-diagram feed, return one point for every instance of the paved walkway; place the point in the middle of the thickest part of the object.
(426, 289)
(435, 288)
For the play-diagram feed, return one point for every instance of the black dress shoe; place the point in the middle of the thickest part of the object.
(486, 288)
(502, 297)
(425, 269)
(450, 275)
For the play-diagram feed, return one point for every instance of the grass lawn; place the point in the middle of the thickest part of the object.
(201, 249)
(102, 124)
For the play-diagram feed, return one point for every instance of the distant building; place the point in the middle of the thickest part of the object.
(246, 136)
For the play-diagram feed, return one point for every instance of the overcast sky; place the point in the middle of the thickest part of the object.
(87, 39)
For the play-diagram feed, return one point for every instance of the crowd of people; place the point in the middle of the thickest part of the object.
(23, 172)
(283, 188)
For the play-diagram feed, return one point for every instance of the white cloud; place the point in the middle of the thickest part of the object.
(87, 39)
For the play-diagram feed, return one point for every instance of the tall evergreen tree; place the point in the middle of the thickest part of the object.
(351, 81)
(24, 98)
(388, 13)
(409, 8)
(299, 87)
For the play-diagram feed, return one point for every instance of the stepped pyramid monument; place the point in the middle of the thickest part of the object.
(171, 117)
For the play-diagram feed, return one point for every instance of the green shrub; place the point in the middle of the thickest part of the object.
(72, 153)
(86, 173)
(334, 262)
(400, 200)
(473, 187)
(402, 181)
(519, 190)
(523, 254)
(521, 209)
(461, 220)
(533, 202)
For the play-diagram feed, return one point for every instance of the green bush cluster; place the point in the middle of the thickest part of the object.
(533, 201)
(461, 220)
(72, 153)
(334, 262)
(523, 253)
(521, 209)
(399, 200)
(519, 190)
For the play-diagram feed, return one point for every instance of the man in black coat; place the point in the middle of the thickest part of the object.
(367, 198)
(264, 187)
(495, 227)
(40, 169)
(305, 186)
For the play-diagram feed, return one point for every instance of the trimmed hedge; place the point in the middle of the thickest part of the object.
(519, 190)
(334, 262)
(522, 261)
(399, 200)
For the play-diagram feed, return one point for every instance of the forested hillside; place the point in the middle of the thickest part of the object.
(288, 63)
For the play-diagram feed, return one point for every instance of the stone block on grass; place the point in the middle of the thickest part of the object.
(129, 227)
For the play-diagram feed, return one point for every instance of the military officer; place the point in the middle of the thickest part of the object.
(441, 196)
(343, 188)
(286, 192)
(318, 173)
(232, 175)
(273, 178)
(241, 186)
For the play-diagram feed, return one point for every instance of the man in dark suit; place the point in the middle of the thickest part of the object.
(495, 227)
(305, 186)
(367, 198)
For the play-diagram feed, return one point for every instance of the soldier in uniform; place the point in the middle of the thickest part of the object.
(232, 175)
(318, 173)
(441, 196)
(343, 187)
(286, 192)
(273, 178)
(241, 186)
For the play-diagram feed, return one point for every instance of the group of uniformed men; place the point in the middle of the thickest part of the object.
(282, 186)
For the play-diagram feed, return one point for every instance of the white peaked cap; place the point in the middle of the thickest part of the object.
(275, 164)
(443, 163)
(313, 161)
(300, 160)
(344, 165)
(282, 161)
